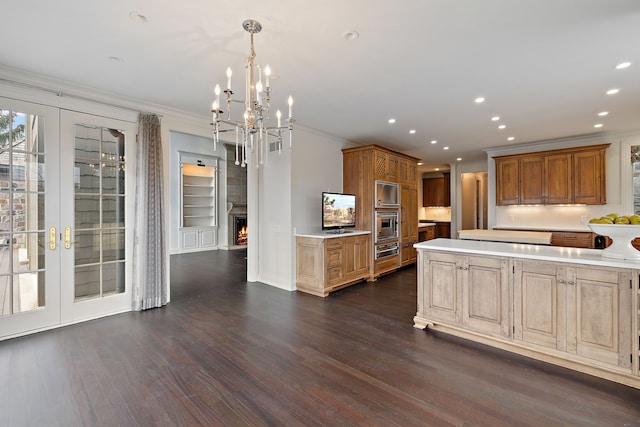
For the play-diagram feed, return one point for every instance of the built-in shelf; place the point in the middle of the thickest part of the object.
(198, 202)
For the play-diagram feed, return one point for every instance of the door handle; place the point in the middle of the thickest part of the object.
(67, 237)
(52, 238)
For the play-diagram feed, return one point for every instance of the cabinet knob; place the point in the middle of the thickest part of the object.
(560, 281)
(570, 282)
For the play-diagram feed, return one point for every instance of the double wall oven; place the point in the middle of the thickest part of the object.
(386, 233)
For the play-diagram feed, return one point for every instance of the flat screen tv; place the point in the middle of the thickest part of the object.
(338, 211)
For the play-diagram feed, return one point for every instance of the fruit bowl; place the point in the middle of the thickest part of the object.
(622, 236)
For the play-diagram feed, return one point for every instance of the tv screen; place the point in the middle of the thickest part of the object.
(338, 210)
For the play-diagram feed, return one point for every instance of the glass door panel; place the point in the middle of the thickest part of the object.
(99, 265)
(29, 261)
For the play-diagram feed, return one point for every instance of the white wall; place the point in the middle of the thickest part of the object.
(619, 193)
(316, 167)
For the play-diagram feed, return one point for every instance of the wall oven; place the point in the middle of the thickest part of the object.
(386, 226)
(386, 249)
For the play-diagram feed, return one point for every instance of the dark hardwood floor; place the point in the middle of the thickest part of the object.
(228, 352)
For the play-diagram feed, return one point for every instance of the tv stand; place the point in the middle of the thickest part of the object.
(326, 262)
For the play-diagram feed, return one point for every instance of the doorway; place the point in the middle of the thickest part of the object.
(474, 201)
(64, 243)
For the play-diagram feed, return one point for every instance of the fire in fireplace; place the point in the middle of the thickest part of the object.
(240, 231)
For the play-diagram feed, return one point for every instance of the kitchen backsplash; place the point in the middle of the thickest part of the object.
(551, 216)
(441, 214)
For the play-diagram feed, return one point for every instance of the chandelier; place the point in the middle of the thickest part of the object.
(253, 131)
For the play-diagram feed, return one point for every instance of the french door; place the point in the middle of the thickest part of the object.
(29, 218)
(97, 243)
(64, 241)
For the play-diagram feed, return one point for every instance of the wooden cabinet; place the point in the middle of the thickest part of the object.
(589, 177)
(467, 290)
(443, 230)
(426, 233)
(573, 239)
(531, 189)
(386, 166)
(362, 166)
(507, 181)
(407, 171)
(574, 309)
(408, 223)
(569, 239)
(568, 176)
(326, 264)
(564, 309)
(436, 191)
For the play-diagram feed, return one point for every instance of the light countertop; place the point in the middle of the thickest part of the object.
(332, 234)
(572, 228)
(536, 252)
(426, 224)
(509, 236)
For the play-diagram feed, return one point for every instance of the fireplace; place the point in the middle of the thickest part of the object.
(236, 202)
(240, 230)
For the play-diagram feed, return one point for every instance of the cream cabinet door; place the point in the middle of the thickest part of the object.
(540, 304)
(485, 294)
(577, 310)
(598, 323)
(443, 287)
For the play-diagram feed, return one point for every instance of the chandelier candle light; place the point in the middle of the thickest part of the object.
(253, 132)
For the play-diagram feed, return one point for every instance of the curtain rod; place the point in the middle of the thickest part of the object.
(61, 94)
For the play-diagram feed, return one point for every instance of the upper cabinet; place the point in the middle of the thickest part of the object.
(568, 176)
(436, 191)
(386, 166)
(407, 171)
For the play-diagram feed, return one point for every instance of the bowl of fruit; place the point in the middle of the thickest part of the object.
(622, 230)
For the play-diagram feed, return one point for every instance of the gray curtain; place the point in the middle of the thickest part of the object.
(149, 248)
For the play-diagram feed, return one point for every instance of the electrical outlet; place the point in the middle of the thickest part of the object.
(511, 218)
(583, 218)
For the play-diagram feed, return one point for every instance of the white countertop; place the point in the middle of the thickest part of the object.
(510, 236)
(332, 234)
(537, 252)
(573, 228)
(426, 224)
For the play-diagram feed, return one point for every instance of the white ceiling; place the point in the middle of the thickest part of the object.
(542, 65)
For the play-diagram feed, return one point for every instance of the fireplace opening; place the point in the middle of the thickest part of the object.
(240, 231)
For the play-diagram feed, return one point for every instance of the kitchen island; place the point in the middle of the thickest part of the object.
(566, 306)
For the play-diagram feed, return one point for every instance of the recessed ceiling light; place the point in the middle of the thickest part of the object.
(420, 163)
(511, 138)
(138, 17)
(436, 169)
(351, 35)
(392, 121)
(612, 91)
(458, 159)
(623, 65)
(603, 113)
(502, 126)
(598, 125)
(495, 118)
(434, 142)
(412, 131)
(445, 148)
(479, 100)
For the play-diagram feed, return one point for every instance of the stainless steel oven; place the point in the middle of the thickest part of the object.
(386, 249)
(386, 226)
